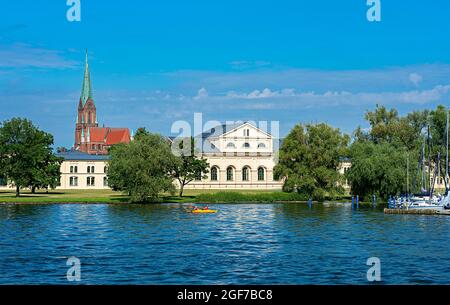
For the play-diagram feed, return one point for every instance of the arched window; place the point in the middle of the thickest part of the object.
(245, 174)
(246, 145)
(89, 117)
(230, 173)
(261, 145)
(261, 174)
(214, 174)
(231, 145)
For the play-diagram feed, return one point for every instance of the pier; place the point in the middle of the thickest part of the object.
(416, 212)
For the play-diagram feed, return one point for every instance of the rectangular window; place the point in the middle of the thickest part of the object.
(90, 181)
(105, 181)
(73, 181)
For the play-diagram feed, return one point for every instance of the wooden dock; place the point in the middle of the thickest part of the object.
(417, 212)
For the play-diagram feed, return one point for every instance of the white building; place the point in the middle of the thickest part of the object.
(83, 171)
(241, 156)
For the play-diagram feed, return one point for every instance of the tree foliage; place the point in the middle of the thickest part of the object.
(142, 168)
(377, 169)
(379, 155)
(188, 167)
(26, 156)
(309, 159)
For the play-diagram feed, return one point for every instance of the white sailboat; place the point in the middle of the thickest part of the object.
(430, 201)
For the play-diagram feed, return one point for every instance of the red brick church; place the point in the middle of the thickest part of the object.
(90, 138)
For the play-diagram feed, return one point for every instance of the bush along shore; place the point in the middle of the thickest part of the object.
(192, 196)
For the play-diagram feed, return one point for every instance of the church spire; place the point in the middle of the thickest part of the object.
(86, 90)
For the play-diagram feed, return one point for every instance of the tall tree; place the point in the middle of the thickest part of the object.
(377, 169)
(188, 167)
(309, 159)
(142, 168)
(26, 157)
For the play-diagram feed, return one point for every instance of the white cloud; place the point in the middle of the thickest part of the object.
(265, 93)
(289, 98)
(415, 78)
(202, 93)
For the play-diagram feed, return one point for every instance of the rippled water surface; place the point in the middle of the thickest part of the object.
(241, 244)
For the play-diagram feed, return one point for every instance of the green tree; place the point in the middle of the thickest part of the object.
(386, 126)
(142, 168)
(26, 157)
(47, 174)
(377, 169)
(309, 159)
(188, 166)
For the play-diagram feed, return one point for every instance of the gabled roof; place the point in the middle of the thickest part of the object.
(109, 136)
(224, 129)
(249, 124)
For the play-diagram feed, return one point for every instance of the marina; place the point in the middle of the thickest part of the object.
(417, 211)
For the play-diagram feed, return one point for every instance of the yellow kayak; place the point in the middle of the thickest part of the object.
(204, 211)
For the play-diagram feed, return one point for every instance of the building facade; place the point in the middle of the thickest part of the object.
(241, 156)
(81, 170)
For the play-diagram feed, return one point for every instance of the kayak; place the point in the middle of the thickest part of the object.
(204, 211)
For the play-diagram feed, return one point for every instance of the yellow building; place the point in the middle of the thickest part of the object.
(83, 171)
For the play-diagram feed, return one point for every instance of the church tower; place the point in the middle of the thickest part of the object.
(87, 113)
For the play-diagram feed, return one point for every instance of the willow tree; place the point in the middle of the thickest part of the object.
(142, 168)
(309, 160)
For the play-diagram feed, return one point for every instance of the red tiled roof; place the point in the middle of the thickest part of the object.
(109, 136)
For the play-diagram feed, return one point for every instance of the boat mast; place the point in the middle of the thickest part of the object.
(423, 184)
(429, 163)
(407, 175)
(446, 156)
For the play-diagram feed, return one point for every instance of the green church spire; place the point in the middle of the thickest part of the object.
(86, 90)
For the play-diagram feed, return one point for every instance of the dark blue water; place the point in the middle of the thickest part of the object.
(242, 244)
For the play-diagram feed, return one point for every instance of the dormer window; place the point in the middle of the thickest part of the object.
(246, 145)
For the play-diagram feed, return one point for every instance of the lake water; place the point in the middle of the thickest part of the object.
(241, 244)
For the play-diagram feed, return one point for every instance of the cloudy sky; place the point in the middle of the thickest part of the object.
(155, 62)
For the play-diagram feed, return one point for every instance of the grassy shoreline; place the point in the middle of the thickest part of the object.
(190, 196)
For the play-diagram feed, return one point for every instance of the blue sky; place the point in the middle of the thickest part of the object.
(155, 62)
